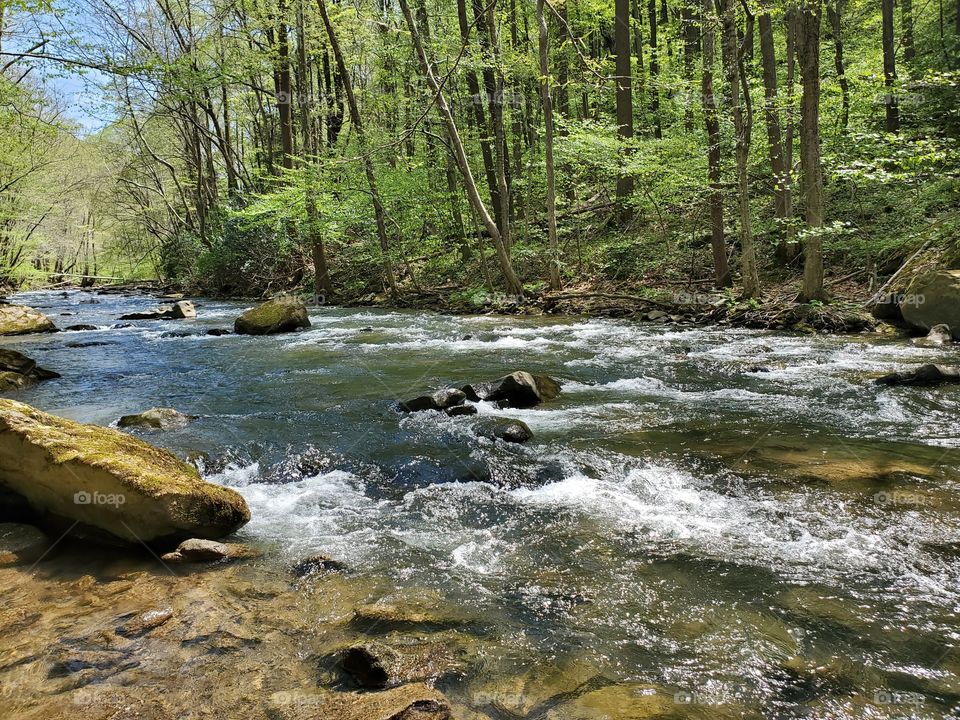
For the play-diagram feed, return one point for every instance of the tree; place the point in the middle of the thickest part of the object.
(742, 112)
(624, 98)
(545, 94)
(711, 117)
(890, 68)
(808, 51)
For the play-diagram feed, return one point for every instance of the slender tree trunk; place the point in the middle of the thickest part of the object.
(712, 122)
(782, 174)
(742, 122)
(503, 254)
(690, 48)
(906, 10)
(624, 99)
(654, 69)
(379, 212)
(808, 45)
(284, 89)
(890, 68)
(835, 17)
(544, 48)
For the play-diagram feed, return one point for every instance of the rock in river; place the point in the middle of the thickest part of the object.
(282, 314)
(440, 400)
(182, 310)
(416, 701)
(107, 482)
(934, 300)
(20, 320)
(20, 544)
(506, 429)
(157, 418)
(196, 550)
(518, 389)
(18, 371)
(929, 374)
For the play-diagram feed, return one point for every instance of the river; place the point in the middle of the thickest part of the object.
(739, 516)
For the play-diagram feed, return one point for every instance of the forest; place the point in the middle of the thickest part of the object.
(481, 151)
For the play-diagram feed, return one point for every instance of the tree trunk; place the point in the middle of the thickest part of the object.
(712, 122)
(808, 47)
(890, 69)
(782, 173)
(624, 99)
(378, 209)
(909, 51)
(503, 255)
(654, 69)
(835, 17)
(544, 49)
(742, 124)
(284, 89)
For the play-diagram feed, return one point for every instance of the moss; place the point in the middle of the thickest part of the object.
(151, 470)
(277, 315)
(20, 320)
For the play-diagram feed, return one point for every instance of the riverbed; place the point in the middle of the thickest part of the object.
(737, 521)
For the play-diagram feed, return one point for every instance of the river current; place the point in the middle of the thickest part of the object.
(739, 516)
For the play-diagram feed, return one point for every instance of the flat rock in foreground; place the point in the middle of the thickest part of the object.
(282, 314)
(21, 320)
(105, 480)
(416, 701)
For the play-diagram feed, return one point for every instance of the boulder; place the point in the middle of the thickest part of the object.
(79, 328)
(21, 544)
(934, 300)
(197, 550)
(925, 375)
(506, 429)
(21, 320)
(518, 389)
(282, 314)
(461, 410)
(18, 371)
(108, 483)
(409, 702)
(376, 665)
(157, 418)
(315, 564)
(178, 311)
(440, 400)
(939, 335)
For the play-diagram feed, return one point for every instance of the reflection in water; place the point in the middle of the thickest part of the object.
(735, 518)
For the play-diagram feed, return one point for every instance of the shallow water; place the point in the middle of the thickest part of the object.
(739, 518)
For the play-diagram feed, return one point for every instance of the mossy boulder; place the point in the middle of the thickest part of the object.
(106, 483)
(933, 300)
(21, 320)
(282, 314)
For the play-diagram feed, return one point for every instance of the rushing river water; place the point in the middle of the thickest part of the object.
(738, 516)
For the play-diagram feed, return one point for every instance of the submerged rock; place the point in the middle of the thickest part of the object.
(182, 310)
(144, 622)
(316, 564)
(18, 371)
(409, 702)
(925, 375)
(196, 550)
(282, 314)
(378, 665)
(79, 328)
(382, 617)
(22, 320)
(157, 418)
(461, 410)
(934, 300)
(109, 482)
(21, 544)
(518, 389)
(506, 429)
(217, 332)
